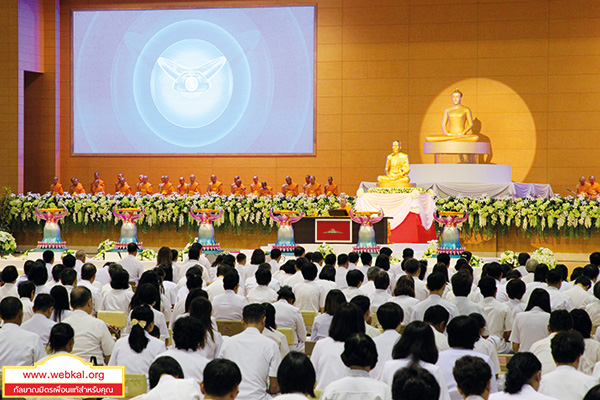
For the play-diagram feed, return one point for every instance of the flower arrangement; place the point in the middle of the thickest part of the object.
(325, 249)
(508, 257)
(431, 250)
(476, 262)
(411, 190)
(147, 255)
(8, 244)
(544, 256)
(103, 247)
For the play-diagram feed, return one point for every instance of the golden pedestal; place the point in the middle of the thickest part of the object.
(396, 184)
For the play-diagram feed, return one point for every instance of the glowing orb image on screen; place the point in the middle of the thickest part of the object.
(191, 83)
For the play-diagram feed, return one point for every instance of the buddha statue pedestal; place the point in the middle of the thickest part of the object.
(467, 152)
(396, 184)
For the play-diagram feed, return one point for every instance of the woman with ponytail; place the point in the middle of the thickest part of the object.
(210, 338)
(524, 372)
(148, 294)
(137, 351)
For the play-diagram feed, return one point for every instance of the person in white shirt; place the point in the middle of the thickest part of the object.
(40, 323)
(26, 291)
(262, 293)
(368, 285)
(194, 260)
(166, 380)
(322, 322)
(591, 271)
(271, 331)
(530, 267)
(404, 296)
(103, 275)
(360, 356)
(558, 300)
(417, 383)
(193, 280)
(137, 351)
(463, 332)
(68, 279)
(93, 339)
(436, 284)
(9, 277)
(17, 346)
(462, 282)
(366, 259)
(560, 321)
(229, 305)
(497, 315)
(275, 260)
(523, 377)
(216, 287)
(473, 378)
(187, 334)
(327, 281)
(593, 308)
(211, 340)
(257, 258)
(309, 294)
(342, 271)
(381, 294)
(131, 264)
(515, 289)
(287, 270)
(522, 261)
(566, 383)
(579, 293)
(251, 283)
(256, 355)
(62, 307)
(147, 293)
(88, 278)
(326, 356)
(583, 324)
(38, 274)
(364, 304)
(354, 280)
(297, 277)
(118, 296)
(437, 317)
(390, 317)
(289, 316)
(48, 257)
(222, 379)
(80, 257)
(296, 377)
(530, 326)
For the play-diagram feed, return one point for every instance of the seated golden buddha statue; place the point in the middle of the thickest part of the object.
(457, 123)
(396, 169)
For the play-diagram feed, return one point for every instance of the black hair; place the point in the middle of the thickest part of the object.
(411, 266)
(519, 370)
(132, 247)
(10, 307)
(152, 278)
(330, 259)
(137, 336)
(390, 315)
(253, 313)
(522, 258)
(405, 286)
(463, 332)
(166, 271)
(366, 258)
(193, 278)
(221, 377)
(386, 251)
(354, 277)
(467, 255)
(286, 293)
(165, 365)
(61, 301)
(422, 269)
(417, 341)
(296, 374)
(26, 289)
(38, 273)
(595, 258)
(472, 375)
(69, 261)
(119, 279)
(591, 271)
(407, 252)
(540, 273)
(382, 280)
(299, 251)
(515, 289)
(60, 336)
(359, 351)
(435, 281)
(308, 256)
(56, 271)
(270, 311)
(88, 270)
(334, 299)
(539, 298)
(342, 259)
(414, 383)
(43, 302)
(263, 276)
(348, 319)
(560, 320)
(48, 256)
(187, 333)
(327, 273)
(513, 274)
(584, 281)
(494, 270)
(460, 263)
(231, 279)
(145, 294)
(68, 276)
(229, 259)
(222, 269)
(309, 272)
(317, 257)
(258, 257)
(9, 274)
(382, 261)
(461, 284)
(442, 269)
(567, 347)
(289, 267)
(362, 302)
(444, 258)
(241, 257)
(593, 393)
(582, 322)
(553, 277)
(435, 315)
(201, 309)
(564, 271)
(275, 254)
(80, 296)
(353, 257)
(487, 286)
(192, 295)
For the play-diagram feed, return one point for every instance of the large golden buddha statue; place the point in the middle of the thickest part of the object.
(457, 123)
(396, 169)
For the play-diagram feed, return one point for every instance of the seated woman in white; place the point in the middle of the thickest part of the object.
(210, 338)
(147, 293)
(118, 297)
(137, 351)
(523, 375)
(360, 355)
(322, 322)
(271, 331)
(167, 381)
(416, 383)
(62, 340)
(296, 377)
(62, 308)
(531, 325)
(404, 296)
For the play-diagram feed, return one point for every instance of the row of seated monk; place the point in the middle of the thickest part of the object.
(590, 188)
(310, 187)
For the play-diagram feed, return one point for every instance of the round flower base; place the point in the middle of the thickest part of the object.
(211, 248)
(123, 246)
(53, 245)
(366, 249)
(454, 253)
(288, 248)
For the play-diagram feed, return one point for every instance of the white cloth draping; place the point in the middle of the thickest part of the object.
(492, 190)
(398, 205)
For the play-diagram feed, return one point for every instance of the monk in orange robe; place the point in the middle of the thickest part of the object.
(166, 187)
(193, 187)
(331, 189)
(76, 187)
(255, 186)
(97, 188)
(344, 205)
(56, 187)
(123, 186)
(594, 186)
(289, 188)
(265, 190)
(146, 187)
(239, 189)
(583, 187)
(182, 188)
(314, 189)
(138, 186)
(118, 183)
(306, 184)
(214, 186)
(235, 179)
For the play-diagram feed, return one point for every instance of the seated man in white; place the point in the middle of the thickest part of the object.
(498, 316)
(515, 289)
(262, 293)
(381, 294)
(216, 287)
(256, 355)
(17, 346)
(473, 378)
(566, 383)
(88, 279)
(229, 305)
(68, 279)
(80, 257)
(390, 317)
(463, 332)
(93, 339)
(9, 277)
(354, 280)
(26, 291)
(167, 381)
(579, 292)
(193, 260)
(132, 265)
(186, 338)
(436, 284)
(412, 267)
(251, 283)
(342, 270)
(117, 296)
(309, 294)
(289, 316)
(461, 287)
(368, 286)
(558, 300)
(560, 321)
(193, 280)
(221, 380)
(437, 317)
(522, 261)
(40, 323)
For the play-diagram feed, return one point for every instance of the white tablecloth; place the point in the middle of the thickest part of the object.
(397, 206)
(493, 190)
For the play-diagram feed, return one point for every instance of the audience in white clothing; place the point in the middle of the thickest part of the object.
(62, 307)
(415, 383)
(354, 280)
(166, 379)
(322, 322)
(473, 377)
(390, 317)
(309, 294)
(262, 293)
(229, 305)
(296, 377)
(26, 291)
(437, 317)
(9, 278)
(531, 325)
(40, 323)
(117, 296)
(222, 379)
